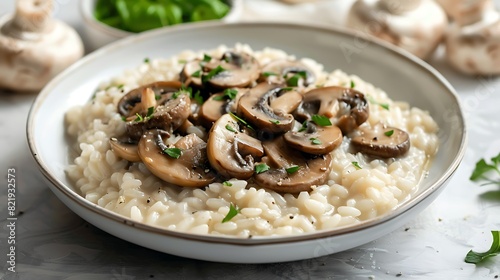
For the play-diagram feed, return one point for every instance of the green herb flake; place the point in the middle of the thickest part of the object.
(287, 89)
(268, 74)
(242, 121)
(124, 118)
(151, 111)
(356, 164)
(373, 101)
(182, 61)
(196, 74)
(146, 60)
(315, 141)
(206, 58)
(139, 118)
(274, 121)
(476, 257)
(214, 72)
(384, 105)
(230, 93)
(321, 120)
(120, 86)
(303, 127)
(293, 81)
(292, 169)
(157, 96)
(260, 168)
(353, 85)
(173, 152)
(233, 211)
(389, 133)
(230, 128)
(227, 184)
(198, 98)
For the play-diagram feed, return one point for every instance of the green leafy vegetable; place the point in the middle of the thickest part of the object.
(353, 85)
(294, 80)
(227, 184)
(214, 72)
(139, 118)
(229, 93)
(233, 211)
(173, 152)
(206, 58)
(146, 60)
(196, 74)
(315, 141)
(373, 101)
(292, 169)
(151, 111)
(475, 257)
(240, 120)
(303, 127)
(389, 133)
(275, 121)
(321, 120)
(268, 74)
(483, 168)
(260, 168)
(356, 164)
(230, 128)
(198, 98)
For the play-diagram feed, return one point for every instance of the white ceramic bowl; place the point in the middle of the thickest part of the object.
(402, 76)
(98, 34)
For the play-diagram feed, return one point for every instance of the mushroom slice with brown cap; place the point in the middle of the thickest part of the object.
(233, 69)
(291, 171)
(348, 105)
(219, 104)
(168, 117)
(231, 152)
(127, 151)
(291, 72)
(185, 164)
(129, 104)
(382, 141)
(314, 139)
(255, 107)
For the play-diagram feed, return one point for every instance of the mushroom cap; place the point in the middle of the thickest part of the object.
(231, 152)
(255, 107)
(127, 151)
(317, 140)
(127, 104)
(279, 71)
(167, 117)
(191, 169)
(217, 105)
(312, 170)
(382, 141)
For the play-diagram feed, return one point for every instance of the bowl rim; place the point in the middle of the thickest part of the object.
(257, 240)
(86, 7)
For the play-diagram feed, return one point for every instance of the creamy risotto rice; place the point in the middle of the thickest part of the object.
(357, 188)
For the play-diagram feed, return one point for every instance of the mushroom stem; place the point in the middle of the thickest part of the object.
(148, 99)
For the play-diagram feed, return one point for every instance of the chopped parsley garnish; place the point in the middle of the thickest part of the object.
(198, 98)
(389, 133)
(227, 184)
(230, 128)
(321, 120)
(476, 257)
(353, 85)
(229, 93)
(139, 118)
(146, 60)
(260, 168)
(206, 58)
(157, 96)
(303, 127)
(214, 72)
(173, 152)
(268, 74)
(196, 74)
(315, 141)
(182, 61)
(275, 121)
(124, 118)
(120, 86)
(373, 101)
(483, 168)
(183, 90)
(356, 164)
(242, 121)
(292, 169)
(286, 89)
(233, 211)
(294, 80)
(151, 111)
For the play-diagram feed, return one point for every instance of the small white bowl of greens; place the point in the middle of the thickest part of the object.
(106, 21)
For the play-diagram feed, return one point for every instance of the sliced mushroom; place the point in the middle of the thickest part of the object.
(304, 171)
(255, 107)
(127, 106)
(314, 139)
(127, 151)
(382, 141)
(348, 105)
(167, 117)
(191, 169)
(233, 69)
(231, 152)
(219, 104)
(290, 72)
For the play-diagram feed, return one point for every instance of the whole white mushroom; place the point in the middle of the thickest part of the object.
(34, 47)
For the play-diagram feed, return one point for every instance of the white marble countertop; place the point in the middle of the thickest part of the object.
(54, 243)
